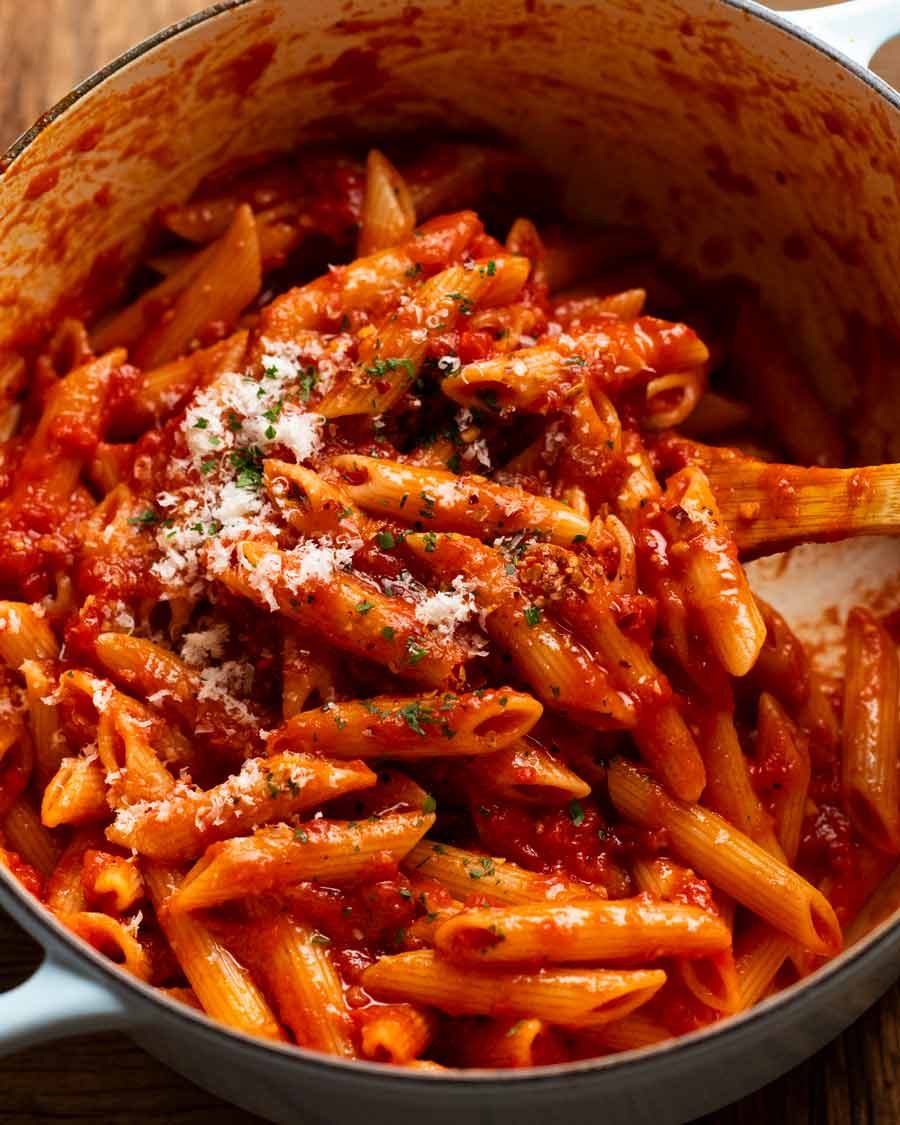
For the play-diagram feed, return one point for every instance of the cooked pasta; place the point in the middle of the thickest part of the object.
(378, 668)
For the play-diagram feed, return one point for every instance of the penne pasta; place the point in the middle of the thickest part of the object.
(577, 998)
(180, 826)
(869, 760)
(277, 857)
(731, 861)
(414, 727)
(581, 932)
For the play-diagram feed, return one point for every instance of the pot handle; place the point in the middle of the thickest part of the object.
(54, 1002)
(856, 28)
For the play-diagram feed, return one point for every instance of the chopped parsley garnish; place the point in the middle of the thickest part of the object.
(429, 804)
(386, 540)
(430, 541)
(382, 367)
(307, 381)
(485, 866)
(201, 424)
(489, 270)
(414, 651)
(144, 519)
(532, 615)
(579, 539)
(388, 633)
(576, 813)
(270, 784)
(414, 714)
(248, 464)
(364, 607)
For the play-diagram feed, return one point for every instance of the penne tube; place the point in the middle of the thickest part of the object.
(870, 731)
(778, 739)
(221, 984)
(581, 932)
(715, 586)
(311, 505)
(569, 998)
(373, 283)
(465, 872)
(307, 669)
(390, 359)
(686, 387)
(526, 773)
(396, 1033)
(126, 327)
(770, 508)
(729, 790)
(558, 669)
(296, 967)
(730, 860)
(272, 859)
(351, 614)
(713, 981)
(65, 886)
(631, 1033)
(50, 745)
(442, 501)
(507, 1044)
(388, 213)
(167, 682)
(182, 825)
(25, 634)
(759, 954)
(530, 379)
(224, 285)
(162, 390)
(76, 794)
(425, 726)
(28, 837)
(105, 874)
(112, 937)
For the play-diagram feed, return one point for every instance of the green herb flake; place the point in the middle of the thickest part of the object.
(414, 715)
(364, 607)
(248, 466)
(388, 633)
(302, 835)
(430, 541)
(144, 519)
(429, 804)
(414, 651)
(383, 367)
(484, 866)
(576, 813)
(386, 540)
(532, 615)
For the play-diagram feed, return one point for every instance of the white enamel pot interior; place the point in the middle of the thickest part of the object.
(744, 146)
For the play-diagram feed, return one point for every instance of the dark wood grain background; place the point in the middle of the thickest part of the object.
(46, 47)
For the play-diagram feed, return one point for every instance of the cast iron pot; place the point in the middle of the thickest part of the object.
(747, 142)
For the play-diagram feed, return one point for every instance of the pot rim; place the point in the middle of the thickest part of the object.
(40, 924)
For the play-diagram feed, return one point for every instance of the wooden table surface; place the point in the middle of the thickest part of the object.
(46, 46)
